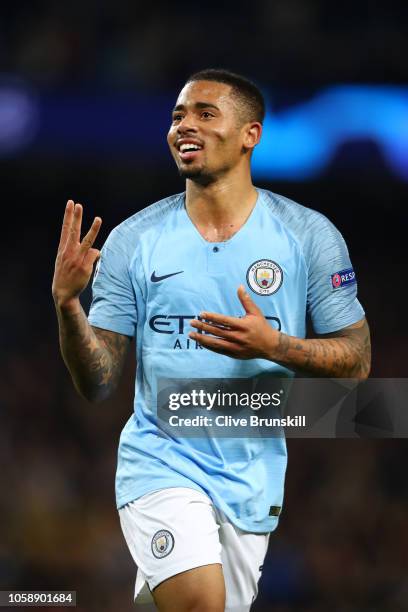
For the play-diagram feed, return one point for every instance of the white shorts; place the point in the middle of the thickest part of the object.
(173, 530)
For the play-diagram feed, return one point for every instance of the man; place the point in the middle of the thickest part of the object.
(197, 513)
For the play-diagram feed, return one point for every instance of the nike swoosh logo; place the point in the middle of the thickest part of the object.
(156, 279)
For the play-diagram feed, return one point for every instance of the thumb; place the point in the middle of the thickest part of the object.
(249, 306)
(91, 257)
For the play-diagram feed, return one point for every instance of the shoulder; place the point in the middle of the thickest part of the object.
(293, 215)
(150, 216)
(126, 235)
(307, 226)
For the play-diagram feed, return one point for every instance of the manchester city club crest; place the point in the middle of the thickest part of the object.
(265, 277)
(162, 543)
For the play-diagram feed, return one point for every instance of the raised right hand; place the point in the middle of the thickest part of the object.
(75, 259)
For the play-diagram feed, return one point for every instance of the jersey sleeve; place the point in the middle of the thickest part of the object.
(113, 304)
(332, 284)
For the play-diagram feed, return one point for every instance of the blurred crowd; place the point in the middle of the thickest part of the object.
(122, 43)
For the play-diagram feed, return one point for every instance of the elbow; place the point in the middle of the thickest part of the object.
(366, 372)
(92, 398)
(363, 375)
(362, 368)
(94, 395)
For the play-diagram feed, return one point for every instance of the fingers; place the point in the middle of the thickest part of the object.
(71, 228)
(215, 330)
(233, 322)
(90, 237)
(249, 306)
(66, 223)
(220, 319)
(217, 345)
(91, 257)
(75, 231)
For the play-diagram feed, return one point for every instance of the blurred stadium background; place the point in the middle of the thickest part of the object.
(86, 90)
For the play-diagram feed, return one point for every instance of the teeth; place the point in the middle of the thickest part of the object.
(189, 147)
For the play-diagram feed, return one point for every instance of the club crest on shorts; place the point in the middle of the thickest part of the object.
(264, 277)
(162, 543)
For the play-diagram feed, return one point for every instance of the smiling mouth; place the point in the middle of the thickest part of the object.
(189, 151)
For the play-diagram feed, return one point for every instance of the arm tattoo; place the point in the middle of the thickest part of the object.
(94, 356)
(356, 345)
(343, 354)
(108, 367)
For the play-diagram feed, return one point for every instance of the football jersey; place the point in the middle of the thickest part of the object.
(155, 274)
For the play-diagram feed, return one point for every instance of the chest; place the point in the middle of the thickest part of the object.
(181, 272)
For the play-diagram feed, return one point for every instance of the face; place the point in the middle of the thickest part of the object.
(206, 137)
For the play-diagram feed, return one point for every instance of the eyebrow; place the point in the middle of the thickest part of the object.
(196, 105)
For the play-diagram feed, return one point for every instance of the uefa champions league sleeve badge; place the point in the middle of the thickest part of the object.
(264, 277)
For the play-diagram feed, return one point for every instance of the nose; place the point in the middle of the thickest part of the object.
(186, 124)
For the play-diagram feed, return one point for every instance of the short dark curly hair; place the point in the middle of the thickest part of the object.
(248, 96)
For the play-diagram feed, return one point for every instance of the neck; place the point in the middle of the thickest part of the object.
(219, 209)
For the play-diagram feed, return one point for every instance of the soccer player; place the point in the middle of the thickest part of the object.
(197, 512)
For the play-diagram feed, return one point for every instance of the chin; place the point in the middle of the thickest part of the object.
(197, 175)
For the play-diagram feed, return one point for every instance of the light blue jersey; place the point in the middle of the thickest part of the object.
(156, 273)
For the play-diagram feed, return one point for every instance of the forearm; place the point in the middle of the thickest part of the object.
(345, 356)
(85, 355)
(345, 353)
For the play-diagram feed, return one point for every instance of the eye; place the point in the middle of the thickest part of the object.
(177, 117)
(206, 115)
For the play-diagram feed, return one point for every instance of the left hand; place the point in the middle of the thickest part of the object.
(249, 337)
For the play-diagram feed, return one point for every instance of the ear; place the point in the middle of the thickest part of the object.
(252, 134)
